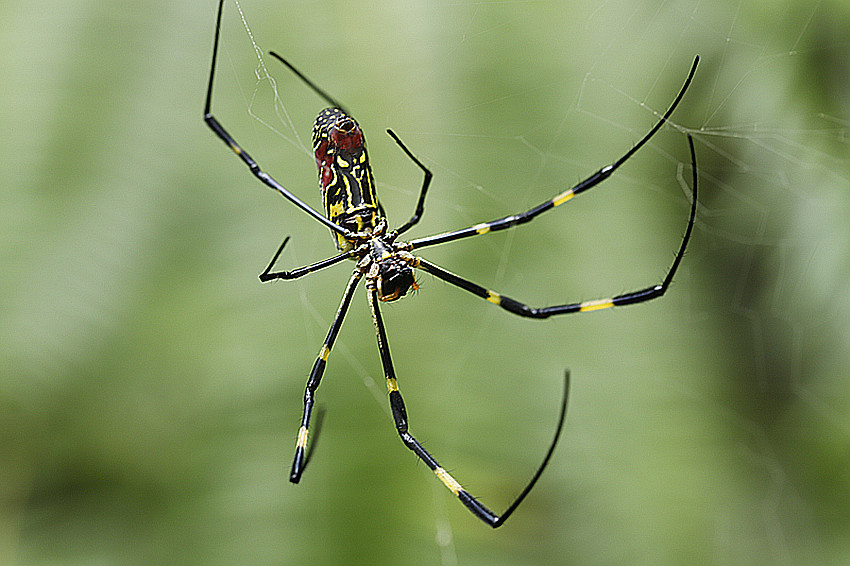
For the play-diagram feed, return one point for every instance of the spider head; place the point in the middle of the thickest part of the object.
(392, 273)
(395, 279)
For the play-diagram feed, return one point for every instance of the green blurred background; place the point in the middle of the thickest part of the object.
(150, 386)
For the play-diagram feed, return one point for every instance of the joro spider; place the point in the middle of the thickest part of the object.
(359, 227)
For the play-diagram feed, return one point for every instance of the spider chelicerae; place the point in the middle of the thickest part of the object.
(361, 233)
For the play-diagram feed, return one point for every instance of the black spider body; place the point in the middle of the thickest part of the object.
(358, 224)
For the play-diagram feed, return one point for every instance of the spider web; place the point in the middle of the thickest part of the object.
(756, 320)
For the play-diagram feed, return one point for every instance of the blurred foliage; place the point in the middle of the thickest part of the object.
(150, 386)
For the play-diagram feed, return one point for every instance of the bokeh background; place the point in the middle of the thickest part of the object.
(150, 386)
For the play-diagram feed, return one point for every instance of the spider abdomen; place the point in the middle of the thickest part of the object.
(345, 176)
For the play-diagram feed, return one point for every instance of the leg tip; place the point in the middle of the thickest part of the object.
(297, 466)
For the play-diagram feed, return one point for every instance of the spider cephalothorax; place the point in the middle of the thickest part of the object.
(359, 227)
(391, 271)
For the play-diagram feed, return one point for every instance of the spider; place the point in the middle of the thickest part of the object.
(359, 227)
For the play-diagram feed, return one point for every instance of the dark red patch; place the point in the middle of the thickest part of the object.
(346, 136)
(324, 162)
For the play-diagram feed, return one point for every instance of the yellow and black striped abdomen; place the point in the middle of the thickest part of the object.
(345, 176)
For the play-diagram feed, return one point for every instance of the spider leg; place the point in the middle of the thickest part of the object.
(268, 275)
(426, 182)
(324, 95)
(298, 462)
(521, 309)
(219, 130)
(400, 417)
(586, 184)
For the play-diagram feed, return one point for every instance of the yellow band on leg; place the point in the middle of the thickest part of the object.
(447, 479)
(302, 438)
(596, 305)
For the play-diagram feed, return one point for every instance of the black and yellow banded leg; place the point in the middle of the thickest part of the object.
(633, 297)
(298, 462)
(400, 417)
(268, 275)
(582, 186)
